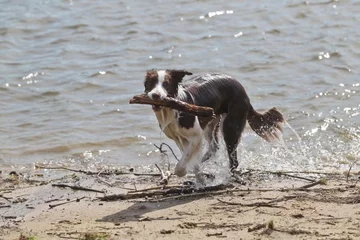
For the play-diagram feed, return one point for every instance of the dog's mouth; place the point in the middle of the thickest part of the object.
(156, 108)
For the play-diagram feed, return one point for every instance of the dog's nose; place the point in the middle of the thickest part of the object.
(155, 96)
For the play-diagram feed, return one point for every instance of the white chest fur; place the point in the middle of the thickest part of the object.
(170, 126)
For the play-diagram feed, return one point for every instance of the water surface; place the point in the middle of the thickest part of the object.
(68, 69)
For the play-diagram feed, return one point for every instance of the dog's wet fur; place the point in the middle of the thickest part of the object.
(231, 106)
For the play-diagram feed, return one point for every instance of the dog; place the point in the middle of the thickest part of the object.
(232, 110)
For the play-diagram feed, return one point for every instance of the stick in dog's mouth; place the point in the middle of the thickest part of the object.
(169, 102)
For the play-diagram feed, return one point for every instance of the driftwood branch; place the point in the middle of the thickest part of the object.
(174, 104)
(171, 192)
(167, 192)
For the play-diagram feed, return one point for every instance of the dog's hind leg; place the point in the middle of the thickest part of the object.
(233, 126)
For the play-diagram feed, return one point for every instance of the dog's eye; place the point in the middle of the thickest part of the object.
(165, 84)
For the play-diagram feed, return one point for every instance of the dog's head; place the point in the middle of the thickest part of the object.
(163, 83)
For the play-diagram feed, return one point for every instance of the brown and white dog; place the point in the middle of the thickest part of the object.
(231, 105)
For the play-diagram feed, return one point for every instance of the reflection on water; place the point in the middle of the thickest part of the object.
(70, 67)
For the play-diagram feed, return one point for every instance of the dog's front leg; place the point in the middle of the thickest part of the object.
(189, 157)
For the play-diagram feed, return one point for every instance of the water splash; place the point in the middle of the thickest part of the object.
(293, 130)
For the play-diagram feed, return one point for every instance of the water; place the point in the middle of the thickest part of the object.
(68, 69)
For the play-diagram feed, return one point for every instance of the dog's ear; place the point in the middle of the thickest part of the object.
(178, 75)
(151, 73)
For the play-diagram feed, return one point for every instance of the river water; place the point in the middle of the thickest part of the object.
(68, 69)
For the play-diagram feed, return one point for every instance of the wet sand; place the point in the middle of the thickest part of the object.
(268, 207)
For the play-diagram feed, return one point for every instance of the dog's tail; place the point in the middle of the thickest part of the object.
(267, 125)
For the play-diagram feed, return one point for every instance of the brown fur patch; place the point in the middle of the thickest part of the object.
(151, 79)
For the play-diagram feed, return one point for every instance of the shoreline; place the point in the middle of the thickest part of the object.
(270, 206)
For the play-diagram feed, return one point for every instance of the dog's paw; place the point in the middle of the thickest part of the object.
(180, 171)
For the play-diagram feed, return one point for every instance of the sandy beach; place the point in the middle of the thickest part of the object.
(272, 206)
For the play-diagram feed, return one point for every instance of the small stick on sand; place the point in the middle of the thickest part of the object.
(76, 188)
(114, 172)
(62, 203)
(6, 198)
(256, 204)
(320, 182)
(348, 172)
(165, 176)
(257, 227)
(167, 192)
(174, 104)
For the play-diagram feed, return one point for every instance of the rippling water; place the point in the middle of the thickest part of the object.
(68, 69)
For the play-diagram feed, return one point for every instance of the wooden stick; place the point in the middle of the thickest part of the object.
(165, 176)
(320, 182)
(167, 192)
(174, 104)
(156, 188)
(257, 227)
(256, 204)
(76, 188)
(62, 203)
(102, 172)
(6, 198)
(302, 172)
(348, 173)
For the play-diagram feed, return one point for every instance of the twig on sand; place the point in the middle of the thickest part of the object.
(155, 188)
(194, 195)
(99, 173)
(113, 172)
(298, 177)
(348, 172)
(162, 192)
(260, 204)
(295, 172)
(214, 234)
(77, 188)
(5, 206)
(103, 181)
(278, 173)
(6, 198)
(257, 227)
(147, 174)
(62, 203)
(319, 182)
(269, 228)
(166, 193)
(165, 176)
